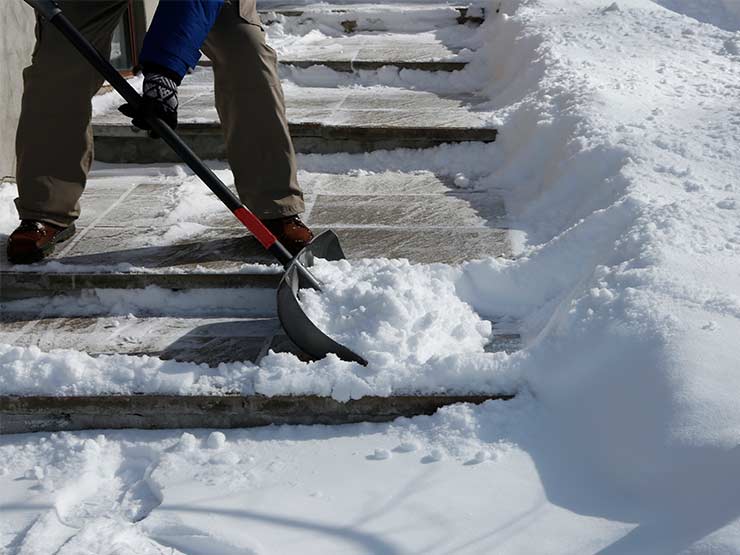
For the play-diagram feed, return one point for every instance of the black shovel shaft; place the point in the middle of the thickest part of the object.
(51, 11)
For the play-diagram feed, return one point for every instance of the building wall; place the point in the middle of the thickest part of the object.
(16, 43)
(150, 6)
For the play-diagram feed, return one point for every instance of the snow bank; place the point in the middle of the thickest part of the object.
(623, 174)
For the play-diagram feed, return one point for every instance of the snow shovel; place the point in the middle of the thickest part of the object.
(296, 323)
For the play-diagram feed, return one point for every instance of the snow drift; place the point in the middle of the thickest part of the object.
(628, 287)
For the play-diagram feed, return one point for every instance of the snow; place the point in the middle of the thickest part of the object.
(618, 161)
(111, 100)
(318, 489)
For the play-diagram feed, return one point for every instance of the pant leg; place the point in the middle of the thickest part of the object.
(54, 142)
(250, 103)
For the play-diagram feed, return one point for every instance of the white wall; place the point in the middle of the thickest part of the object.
(150, 6)
(16, 43)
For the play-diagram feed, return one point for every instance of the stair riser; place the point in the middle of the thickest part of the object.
(53, 414)
(352, 67)
(22, 285)
(118, 144)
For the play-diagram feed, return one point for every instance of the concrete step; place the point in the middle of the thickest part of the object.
(355, 17)
(425, 51)
(52, 414)
(322, 120)
(126, 240)
(183, 337)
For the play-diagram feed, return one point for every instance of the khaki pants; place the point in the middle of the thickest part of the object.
(55, 143)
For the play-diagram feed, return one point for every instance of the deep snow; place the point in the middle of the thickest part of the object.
(618, 158)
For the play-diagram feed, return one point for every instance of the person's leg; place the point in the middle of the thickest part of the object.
(54, 142)
(251, 106)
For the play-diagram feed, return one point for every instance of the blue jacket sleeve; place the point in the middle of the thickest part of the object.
(177, 32)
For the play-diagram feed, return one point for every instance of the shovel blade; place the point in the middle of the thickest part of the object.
(301, 330)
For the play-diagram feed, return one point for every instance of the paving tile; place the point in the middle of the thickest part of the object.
(384, 183)
(200, 340)
(347, 106)
(447, 246)
(372, 47)
(150, 204)
(412, 211)
(211, 248)
(97, 199)
(406, 50)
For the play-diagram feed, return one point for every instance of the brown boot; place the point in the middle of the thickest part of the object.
(291, 232)
(33, 241)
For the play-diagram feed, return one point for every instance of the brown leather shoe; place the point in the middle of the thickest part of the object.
(33, 241)
(291, 232)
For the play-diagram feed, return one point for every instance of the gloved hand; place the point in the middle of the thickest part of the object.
(159, 100)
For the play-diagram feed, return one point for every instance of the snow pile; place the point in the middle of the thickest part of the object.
(624, 177)
(395, 312)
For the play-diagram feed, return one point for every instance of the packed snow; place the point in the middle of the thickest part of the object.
(618, 160)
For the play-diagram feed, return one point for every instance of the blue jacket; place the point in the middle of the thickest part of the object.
(177, 32)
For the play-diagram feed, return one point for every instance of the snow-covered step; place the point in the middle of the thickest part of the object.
(425, 51)
(179, 336)
(353, 17)
(185, 339)
(51, 413)
(322, 120)
(165, 229)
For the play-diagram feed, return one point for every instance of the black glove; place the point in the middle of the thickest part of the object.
(159, 99)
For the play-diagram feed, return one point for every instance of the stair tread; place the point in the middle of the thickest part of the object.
(187, 338)
(124, 230)
(357, 107)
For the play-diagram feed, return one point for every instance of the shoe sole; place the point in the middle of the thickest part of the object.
(47, 249)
